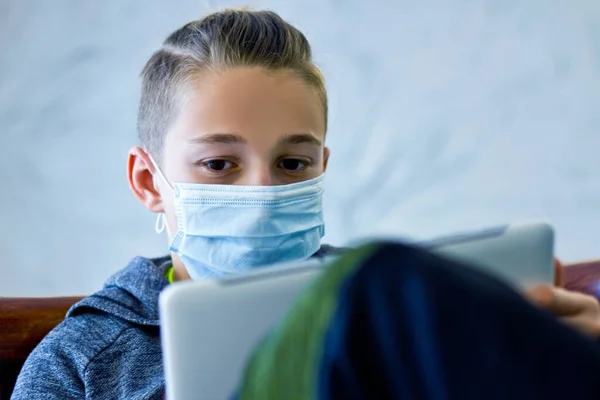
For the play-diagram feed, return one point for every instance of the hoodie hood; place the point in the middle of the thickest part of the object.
(130, 294)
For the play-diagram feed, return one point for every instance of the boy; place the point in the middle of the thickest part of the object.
(232, 122)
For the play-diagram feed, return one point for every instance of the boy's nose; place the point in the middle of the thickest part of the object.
(262, 176)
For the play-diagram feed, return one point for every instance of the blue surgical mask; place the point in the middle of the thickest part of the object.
(226, 229)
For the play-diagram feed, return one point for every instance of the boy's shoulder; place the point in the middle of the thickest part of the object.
(88, 349)
(106, 335)
(78, 339)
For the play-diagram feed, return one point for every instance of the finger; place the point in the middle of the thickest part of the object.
(542, 295)
(571, 303)
(563, 302)
(585, 323)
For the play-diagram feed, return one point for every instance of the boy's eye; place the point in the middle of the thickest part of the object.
(292, 164)
(218, 165)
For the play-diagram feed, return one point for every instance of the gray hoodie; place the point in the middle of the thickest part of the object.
(108, 346)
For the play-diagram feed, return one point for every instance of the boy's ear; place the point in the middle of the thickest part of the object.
(326, 153)
(140, 173)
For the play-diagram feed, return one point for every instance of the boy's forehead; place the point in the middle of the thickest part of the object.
(246, 106)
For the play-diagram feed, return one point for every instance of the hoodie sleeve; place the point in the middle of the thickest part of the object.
(50, 372)
(56, 367)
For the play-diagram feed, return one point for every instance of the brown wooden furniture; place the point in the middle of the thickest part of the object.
(25, 321)
(23, 324)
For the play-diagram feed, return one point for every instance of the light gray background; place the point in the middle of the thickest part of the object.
(445, 115)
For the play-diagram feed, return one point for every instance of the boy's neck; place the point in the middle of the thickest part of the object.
(179, 271)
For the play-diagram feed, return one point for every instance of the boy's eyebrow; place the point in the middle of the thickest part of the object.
(219, 138)
(233, 138)
(301, 138)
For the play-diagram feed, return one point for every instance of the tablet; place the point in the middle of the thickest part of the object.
(520, 254)
(210, 327)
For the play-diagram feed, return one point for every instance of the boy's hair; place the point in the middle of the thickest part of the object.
(225, 39)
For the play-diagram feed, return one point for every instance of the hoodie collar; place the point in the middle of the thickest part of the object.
(132, 293)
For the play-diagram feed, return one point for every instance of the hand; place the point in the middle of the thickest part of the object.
(578, 310)
(581, 311)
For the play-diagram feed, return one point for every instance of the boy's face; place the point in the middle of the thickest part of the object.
(239, 127)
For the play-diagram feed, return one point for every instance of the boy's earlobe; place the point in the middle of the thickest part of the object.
(141, 179)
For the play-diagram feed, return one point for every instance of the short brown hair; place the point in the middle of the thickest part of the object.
(225, 39)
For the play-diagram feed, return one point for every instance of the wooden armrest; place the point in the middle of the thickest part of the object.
(24, 322)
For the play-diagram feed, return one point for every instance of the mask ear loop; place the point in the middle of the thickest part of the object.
(159, 227)
(161, 223)
(159, 172)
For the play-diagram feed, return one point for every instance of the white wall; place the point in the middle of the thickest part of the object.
(445, 115)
